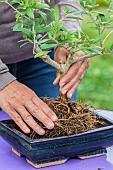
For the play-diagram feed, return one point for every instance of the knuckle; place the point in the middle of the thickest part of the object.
(81, 53)
(32, 93)
(30, 106)
(75, 54)
(18, 119)
(36, 112)
(86, 67)
(79, 81)
(80, 78)
(88, 61)
(9, 110)
(27, 117)
(14, 103)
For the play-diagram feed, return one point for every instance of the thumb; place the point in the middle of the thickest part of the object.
(57, 80)
(60, 55)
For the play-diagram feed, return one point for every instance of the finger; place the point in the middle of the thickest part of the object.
(37, 112)
(77, 78)
(70, 74)
(27, 117)
(47, 111)
(57, 80)
(77, 82)
(60, 55)
(79, 54)
(73, 89)
(17, 119)
(73, 69)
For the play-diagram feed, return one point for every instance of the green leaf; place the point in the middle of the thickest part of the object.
(94, 51)
(102, 17)
(26, 32)
(43, 15)
(47, 46)
(111, 48)
(83, 3)
(43, 41)
(97, 39)
(74, 17)
(41, 53)
(30, 13)
(38, 36)
(94, 28)
(44, 30)
(42, 6)
(52, 15)
(17, 27)
(56, 13)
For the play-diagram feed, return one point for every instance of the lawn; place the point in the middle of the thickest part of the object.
(97, 86)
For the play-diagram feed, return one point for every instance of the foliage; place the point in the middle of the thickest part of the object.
(32, 22)
(99, 79)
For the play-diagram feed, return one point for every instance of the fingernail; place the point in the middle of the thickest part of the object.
(62, 84)
(64, 92)
(27, 130)
(50, 125)
(41, 132)
(70, 95)
(54, 82)
(54, 118)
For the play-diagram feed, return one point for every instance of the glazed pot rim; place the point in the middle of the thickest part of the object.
(27, 139)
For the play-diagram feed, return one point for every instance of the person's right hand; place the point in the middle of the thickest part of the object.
(21, 104)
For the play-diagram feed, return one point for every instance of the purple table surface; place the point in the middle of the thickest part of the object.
(10, 161)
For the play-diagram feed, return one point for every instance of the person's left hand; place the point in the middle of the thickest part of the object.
(73, 77)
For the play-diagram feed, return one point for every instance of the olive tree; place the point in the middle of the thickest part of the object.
(31, 20)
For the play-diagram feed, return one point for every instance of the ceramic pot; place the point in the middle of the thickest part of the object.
(59, 148)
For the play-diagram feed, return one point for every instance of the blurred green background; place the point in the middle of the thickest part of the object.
(97, 86)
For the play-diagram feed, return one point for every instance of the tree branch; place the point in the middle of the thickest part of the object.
(71, 60)
(15, 9)
(51, 62)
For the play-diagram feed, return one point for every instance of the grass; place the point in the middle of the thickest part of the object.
(97, 86)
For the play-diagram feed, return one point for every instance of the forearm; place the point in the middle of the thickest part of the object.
(5, 77)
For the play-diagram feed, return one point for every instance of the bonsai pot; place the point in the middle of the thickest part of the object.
(50, 151)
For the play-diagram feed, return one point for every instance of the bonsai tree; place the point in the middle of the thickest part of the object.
(44, 35)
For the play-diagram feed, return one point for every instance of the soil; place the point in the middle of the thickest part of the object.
(73, 118)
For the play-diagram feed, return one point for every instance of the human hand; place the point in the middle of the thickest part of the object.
(21, 103)
(73, 77)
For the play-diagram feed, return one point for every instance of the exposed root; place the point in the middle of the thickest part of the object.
(73, 118)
